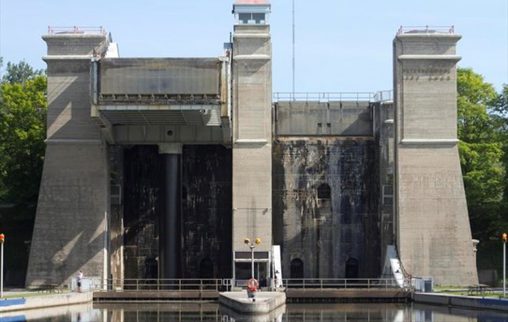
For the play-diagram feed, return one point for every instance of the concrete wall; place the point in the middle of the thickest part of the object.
(327, 232)
(384, 131)
(143, 205)
(348, 118)
(433, 233)
(206, 209)
(205, 220)
(166, 76)
(252, 131)
(71, 220)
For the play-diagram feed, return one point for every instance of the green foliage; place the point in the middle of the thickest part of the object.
(482, 150)
(20, 73)
(23, 108)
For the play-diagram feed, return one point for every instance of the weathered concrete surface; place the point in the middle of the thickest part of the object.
(71, 220)
(205, 222)
(43, 301)
(147, 76)
(252, 137)
(348, 118)
(265, 302)
(433, 232)
(384, 130)
(143, 205)
(334, 235)
(206, 209)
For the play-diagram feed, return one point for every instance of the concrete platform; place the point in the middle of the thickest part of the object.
(458, 301)
(265, 302)
(190, 295)
(44, 301)
(347, 295)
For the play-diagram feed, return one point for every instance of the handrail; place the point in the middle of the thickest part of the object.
(53, 30)
(384, 96)
(381, 96)
(323, 96)
(340, 283)
(155, 284)
(426, 29)
(220, 285)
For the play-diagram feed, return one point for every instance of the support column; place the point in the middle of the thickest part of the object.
(252, 134)
(433, 231)
(71, 223)
(169, 232)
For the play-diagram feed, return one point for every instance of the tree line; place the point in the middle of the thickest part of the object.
(23, 109)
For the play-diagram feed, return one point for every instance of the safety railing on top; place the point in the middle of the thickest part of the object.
(134, 284)
(384, 96)
(52, 30)
(426, 29)
(340, 283)
(323, 96)
(221, 285)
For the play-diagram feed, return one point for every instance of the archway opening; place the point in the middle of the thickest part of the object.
(296, 268)
(324, 191)
(352, 268)
(206, 268)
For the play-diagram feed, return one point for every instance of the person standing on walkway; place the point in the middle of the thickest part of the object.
(80, 280)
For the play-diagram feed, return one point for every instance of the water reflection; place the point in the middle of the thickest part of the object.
(162, 312)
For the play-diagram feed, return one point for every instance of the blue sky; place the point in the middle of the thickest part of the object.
(342, 45)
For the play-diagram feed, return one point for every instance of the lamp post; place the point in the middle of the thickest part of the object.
(252, 246)
(2, 239)
(505, 238)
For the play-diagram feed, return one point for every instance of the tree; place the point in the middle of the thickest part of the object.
(500, 115)
(20, 73)
(481, 150)
(23, 107)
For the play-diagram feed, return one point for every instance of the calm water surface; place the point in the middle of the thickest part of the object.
(127, 312)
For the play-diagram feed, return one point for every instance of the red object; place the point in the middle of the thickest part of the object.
(252, 285)
(2, 238)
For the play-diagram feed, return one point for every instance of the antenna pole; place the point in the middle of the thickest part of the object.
(294, 51)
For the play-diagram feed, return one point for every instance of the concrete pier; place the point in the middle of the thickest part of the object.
(265, 302)
(44, 301)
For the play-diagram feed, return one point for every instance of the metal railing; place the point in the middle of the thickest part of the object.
(340, 283)
(222, 285)
(323, 96)
(54, 30)
(384, 96)
(147, 284)
(426, 29)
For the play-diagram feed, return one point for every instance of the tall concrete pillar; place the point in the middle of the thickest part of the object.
(433, 232)
(252, 131)
(70, 232)
(169, 232)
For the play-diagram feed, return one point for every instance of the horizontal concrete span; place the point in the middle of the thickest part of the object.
(178, 76)
(315, 118)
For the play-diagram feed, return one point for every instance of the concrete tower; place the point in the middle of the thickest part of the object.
(71, 221)
(252, 135)
(433, 233)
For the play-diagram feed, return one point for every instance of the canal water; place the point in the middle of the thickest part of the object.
(145, 312)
